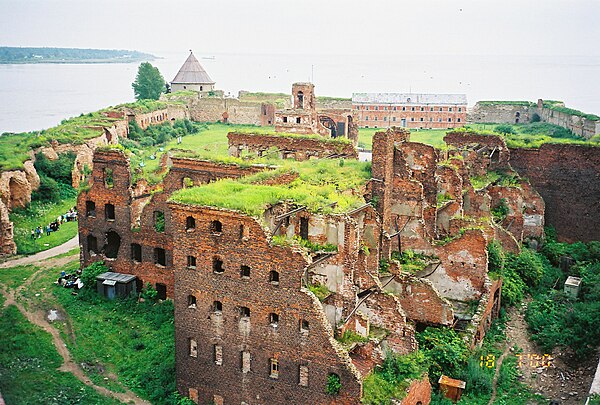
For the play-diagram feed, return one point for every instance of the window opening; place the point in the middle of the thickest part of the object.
(136, 252)
(274, 277)
(217, 265)
(159, 221)
(274, 319)
(109, 212)
(218, 355)
(113, 243)
(160, 257)
(245, 312)
(298, 120)
(304, 228)
(245, 271)
(216, 227)
(90, 209)
(217, 306)
(274, 368)
(191, 262)
(92, 243)
(190, 223)
(193, 348)
(303, 376)
(161, 290)
(108, 178)
(304, 325)
(191, 301)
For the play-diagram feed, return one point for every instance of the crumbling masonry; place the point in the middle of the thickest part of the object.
(249, 328)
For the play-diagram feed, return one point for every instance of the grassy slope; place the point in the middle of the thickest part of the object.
(40, 213)
(28, 367)
(135, 341)
(13, 277)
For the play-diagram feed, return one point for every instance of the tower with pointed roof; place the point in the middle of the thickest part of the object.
(192, 76)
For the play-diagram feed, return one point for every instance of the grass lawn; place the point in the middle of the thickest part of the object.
(28, 367)
(13, 277)
(433, 137)
(41, 213)
(134, 341)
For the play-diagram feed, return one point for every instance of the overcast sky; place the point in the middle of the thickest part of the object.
(480, 27)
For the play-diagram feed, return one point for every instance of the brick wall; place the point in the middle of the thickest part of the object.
(287, 342)
(568, 179)
(290, 147)
(500, 113)
(212, 109)
(418, 391)
(413, 116)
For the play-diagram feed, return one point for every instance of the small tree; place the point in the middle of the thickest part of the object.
(149, 83)
(88, 275)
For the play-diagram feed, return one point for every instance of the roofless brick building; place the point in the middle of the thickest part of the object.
(269, 273)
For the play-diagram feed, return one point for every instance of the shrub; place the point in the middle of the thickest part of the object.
(500, 211)
(149, 293)
(334, 385)
(478, 380)
(88, 275)
(48, 191)
(505, 129)
(535, 117)
(146, 141)
(444, 350)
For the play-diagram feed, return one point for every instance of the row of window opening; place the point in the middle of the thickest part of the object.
(412, 119)
(386, 108)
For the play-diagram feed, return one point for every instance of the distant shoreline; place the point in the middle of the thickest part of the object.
(24, 56)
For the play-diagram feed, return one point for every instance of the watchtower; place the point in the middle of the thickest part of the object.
(304, 96)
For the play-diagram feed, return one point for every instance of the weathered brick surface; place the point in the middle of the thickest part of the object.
(289, 147)
(419, 391)
(315, 348)
(568, 179)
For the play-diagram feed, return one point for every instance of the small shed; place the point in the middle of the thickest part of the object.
(451, 388)
(113, 285)
(572, 286)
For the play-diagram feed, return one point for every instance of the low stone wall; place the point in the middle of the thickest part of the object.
(500, 113)
(290, 147)
(232, 110)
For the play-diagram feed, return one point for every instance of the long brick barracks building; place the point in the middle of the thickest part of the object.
(410, 110)
(249, 327)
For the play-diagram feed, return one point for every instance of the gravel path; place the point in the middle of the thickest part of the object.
(46, 254)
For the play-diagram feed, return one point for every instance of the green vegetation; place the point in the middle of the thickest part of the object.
(29, 367)
(556, 319)
(502, 102)
(320, 290)
(350, 337)
(322, 186)
(445, 351)
(531, 135)
(149, 83)
(69, 55)
(55, 178)
(556, 106)
(40, 213)
(480, 182)
(443, 198)
(390, 380)
(500, 211)
(281, 100)
(123, 337)
(505, 129)
(89, 274)
(334, 384)
(413, 262)
(13, 277)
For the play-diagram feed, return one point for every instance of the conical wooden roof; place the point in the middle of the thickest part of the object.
(192, 73)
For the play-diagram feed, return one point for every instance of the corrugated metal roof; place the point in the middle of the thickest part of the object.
(408, 98)
(117, 277)
(192, 73)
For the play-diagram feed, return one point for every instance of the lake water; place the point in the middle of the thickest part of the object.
(39, 96)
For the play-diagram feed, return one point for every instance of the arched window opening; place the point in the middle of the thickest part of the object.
(274, 277)
(216, 227)
(190, 223)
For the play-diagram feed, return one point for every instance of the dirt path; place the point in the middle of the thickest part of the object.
(497, 372)
(563, 380)
(46, 254)
(38, 317)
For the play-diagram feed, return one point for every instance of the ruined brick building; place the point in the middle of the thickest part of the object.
(305, 118)
(410, 110)
(249, 325)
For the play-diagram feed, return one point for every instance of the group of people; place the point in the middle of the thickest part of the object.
(36, 233)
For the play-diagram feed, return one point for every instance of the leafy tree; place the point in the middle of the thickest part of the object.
(149, 83)
(445, 351)
(505, 129)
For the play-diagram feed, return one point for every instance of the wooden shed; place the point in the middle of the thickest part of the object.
(451, 388)
(113, 285)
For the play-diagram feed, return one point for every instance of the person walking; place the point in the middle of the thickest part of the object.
(48, 230)
(32, 233)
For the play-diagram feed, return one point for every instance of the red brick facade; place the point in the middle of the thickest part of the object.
(409, 112)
